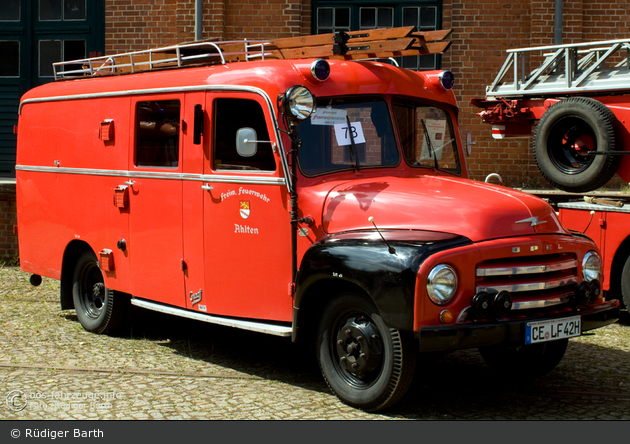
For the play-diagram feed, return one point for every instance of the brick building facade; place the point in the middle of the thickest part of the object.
(482, 31)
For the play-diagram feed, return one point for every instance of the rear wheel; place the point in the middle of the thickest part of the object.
(99, 309)
(528, 362)
(566, 134)
(365, 363)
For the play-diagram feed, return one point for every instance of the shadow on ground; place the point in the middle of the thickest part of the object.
(456, 385)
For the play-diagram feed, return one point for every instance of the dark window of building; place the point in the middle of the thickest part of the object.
(10, 11)
(10, 66)
(333, 20)
(333, 16)
(57, 10)
(157, 133)
(52, 51)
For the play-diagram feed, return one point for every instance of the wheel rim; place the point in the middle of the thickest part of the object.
(357, 349)
(569, 145)
(92, 291)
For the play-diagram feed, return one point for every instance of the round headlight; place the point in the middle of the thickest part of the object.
(442, 284)
(592, 267)
(299, 102)
(320, 69)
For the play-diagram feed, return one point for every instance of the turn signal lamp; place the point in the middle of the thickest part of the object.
(446, 317)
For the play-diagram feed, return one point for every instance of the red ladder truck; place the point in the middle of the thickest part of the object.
(577, 99)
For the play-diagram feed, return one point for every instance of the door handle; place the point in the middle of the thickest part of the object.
(129, 182)
(207, 187)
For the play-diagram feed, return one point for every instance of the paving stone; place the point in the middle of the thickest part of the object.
(170, 368)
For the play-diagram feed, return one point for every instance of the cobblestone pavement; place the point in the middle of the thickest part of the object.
(170, 368)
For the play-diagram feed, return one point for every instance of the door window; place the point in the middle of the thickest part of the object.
(157, 133)
(230, 115)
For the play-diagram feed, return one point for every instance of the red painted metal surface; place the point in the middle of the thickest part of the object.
(228, 244)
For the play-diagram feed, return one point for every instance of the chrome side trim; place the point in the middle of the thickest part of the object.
(533, 269)
(540, 304)
(219, 178)
(241, 179)
(180, 89)
(271, 329)
(531, 286)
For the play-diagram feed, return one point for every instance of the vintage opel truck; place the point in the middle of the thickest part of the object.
(292, 187)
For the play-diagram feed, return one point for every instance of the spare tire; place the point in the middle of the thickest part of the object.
(565, 135)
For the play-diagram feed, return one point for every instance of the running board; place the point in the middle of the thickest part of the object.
(270, 329)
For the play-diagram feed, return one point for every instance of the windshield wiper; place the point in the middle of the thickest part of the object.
(353, 146)
(432, 152)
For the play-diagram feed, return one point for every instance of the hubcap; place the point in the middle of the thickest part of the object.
(93, 292)
(569, 144)
(359, 347)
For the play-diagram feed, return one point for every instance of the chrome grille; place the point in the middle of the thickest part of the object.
(533, 282)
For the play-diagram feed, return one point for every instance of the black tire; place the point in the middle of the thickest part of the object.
(99, 309)
(565, 134)
(625, 284)
(527, 362)
(352, 332)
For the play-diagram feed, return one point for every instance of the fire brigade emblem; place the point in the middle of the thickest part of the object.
(245, 209)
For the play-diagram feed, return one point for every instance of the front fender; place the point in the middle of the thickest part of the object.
(362, 259)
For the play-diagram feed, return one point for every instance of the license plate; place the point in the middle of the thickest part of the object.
(543, 331)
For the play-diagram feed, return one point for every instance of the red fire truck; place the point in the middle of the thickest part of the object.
(292, 188)
(577, 97)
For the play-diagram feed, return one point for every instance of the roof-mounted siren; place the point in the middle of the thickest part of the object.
(447, 80)
(320, 70)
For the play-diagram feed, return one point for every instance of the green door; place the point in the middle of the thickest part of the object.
(33, 35)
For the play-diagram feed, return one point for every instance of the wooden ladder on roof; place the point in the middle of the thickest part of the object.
(353, 45)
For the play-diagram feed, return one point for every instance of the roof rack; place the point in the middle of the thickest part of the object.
(569, 68)
(354, 45)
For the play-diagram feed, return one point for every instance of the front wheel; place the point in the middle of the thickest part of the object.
(99, 309)
(366, 364)
(527, 362)
(625, 284)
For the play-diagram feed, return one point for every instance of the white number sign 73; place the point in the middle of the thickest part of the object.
(343, 132)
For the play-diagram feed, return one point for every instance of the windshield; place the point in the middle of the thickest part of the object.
(347, 133)
(426, 135)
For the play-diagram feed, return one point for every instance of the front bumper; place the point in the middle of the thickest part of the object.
(509, 332)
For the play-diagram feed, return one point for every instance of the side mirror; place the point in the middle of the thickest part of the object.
(246, 143)
(469, 144)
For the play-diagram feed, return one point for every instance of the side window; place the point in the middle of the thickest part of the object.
(157, 133)
(230, 115)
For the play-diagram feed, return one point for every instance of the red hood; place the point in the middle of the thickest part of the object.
(476, 210)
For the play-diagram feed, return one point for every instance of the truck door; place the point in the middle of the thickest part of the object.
(247, 229)
(155, 200)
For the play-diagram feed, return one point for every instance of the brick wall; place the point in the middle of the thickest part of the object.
(141, 24)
